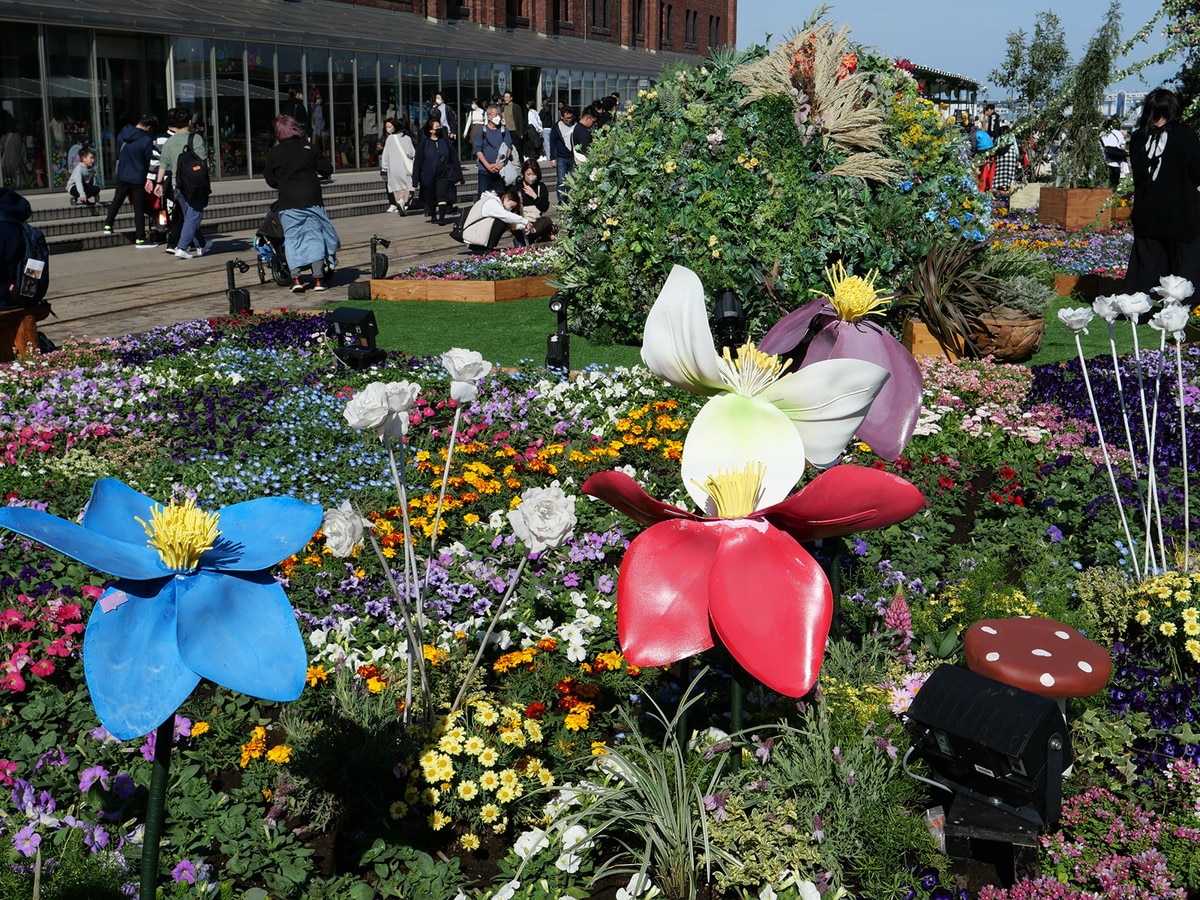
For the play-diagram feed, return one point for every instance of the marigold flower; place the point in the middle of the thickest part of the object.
(280, 754)
(200, 728)
(316, 675)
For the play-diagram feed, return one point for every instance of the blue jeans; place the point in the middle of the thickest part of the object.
(191, 222)
(564, 167)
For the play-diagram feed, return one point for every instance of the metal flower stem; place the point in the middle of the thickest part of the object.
(416, 651)
(512, 586)
(1187, 519)
(156, 808)
(415, 648)
(437, 516)
(1108, 464)
(1112, 343)
(1153, 502)
(1151, 479)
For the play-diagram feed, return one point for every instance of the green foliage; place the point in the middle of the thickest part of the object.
(693, 177)
(1033, 72)
(1106, 605)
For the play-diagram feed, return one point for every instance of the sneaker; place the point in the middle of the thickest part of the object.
(145, 245)
(319, 287)
(75, 202)
(180, 253)
(108, 229)
(297, 288)
(201, 250)
(168, 249)
(391, 208)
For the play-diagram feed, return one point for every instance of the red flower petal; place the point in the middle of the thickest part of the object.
(626, 496)
(843, 500)
(662, 593)
(771, 606)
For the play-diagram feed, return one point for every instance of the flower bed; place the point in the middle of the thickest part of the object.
(515, 274)
(1102, 252)
(333, 795)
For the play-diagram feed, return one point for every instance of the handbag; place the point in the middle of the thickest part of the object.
(579, 157)
(511, 173)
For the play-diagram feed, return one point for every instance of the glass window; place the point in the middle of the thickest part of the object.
(343, 124)
(193, 88)
(264, 101)
(371, 121)
(20, 104)
(389, 86)
(231, 106)
(69, 98)
(316, 71)
(410, 90)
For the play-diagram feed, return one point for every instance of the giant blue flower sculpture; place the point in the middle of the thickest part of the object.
(194, 599)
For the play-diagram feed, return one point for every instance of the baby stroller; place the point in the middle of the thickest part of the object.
(268, 244)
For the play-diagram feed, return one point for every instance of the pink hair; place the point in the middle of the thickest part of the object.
(286, 127)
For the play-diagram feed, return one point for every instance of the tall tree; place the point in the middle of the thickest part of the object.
(1008, 76)
(1034, 68)
(1080, 161)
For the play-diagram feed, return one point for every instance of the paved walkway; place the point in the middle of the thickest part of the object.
(122, 290)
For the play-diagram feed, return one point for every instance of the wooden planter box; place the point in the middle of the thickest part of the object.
(1074, 208)
(1120, 213)
(919, 342)
(461, 291)
(1086, 287)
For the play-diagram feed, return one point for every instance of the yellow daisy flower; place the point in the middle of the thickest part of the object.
(490, 813)
(468, 790)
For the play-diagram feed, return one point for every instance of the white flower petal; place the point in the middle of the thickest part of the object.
(678, 344)
(1175, 288)
(732, 431)
(827, 401)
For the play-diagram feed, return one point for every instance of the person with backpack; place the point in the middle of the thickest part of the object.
(24, 255)
(133, 165)
(185, 157)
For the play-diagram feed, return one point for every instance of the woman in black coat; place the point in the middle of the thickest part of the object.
(1165, 157)
(437, 170)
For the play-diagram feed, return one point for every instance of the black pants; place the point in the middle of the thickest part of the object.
(1152, 258)
(137, 196)
(89, 189)
(435, 194)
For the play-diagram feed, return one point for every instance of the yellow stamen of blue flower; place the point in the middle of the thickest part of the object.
(752, 371)
(854, 296)
(181, 533)
(736, 493)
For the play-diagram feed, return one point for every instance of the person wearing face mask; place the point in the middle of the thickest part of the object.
(535, 202)
(437, 170)
(493, 147)
(475, 122)
(444, 114)
(493, 214)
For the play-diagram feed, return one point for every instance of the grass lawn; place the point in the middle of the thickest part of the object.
(505, 333)
(515, 332)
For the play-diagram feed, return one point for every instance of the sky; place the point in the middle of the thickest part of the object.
(965, 37)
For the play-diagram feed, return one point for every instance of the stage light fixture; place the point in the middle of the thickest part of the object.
(239, 298)
(379, 261)
(354, 332)
(558, 345)
(729, 322)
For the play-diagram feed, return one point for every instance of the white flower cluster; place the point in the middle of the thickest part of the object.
(383, 408)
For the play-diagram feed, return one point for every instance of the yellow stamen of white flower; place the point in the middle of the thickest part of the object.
(752, 371)
(854, 296)
(735, 493)
(181, 533)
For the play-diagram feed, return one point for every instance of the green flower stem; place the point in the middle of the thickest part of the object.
(156, 808)
(512, 586)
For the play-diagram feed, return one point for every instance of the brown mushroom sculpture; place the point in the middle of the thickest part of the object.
(1038, 655)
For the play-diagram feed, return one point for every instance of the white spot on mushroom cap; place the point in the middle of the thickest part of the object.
(1084, 666)
(1040, 652)
(1047, 679)
(992, 657)
(1063, 635)
(988, 629)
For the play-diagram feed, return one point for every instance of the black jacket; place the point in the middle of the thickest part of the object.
(1165, 200)
(541, 203)
(435, 159)
(295, 170)
(14, 210)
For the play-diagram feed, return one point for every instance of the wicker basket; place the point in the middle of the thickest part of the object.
(1011, 340)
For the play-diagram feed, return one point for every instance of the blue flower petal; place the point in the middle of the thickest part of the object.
(131, 660)
(258, 533)
(240, 631)
(114, 508)
(92, 548)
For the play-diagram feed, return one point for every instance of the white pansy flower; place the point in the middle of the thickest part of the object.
(508, 891)
(545, 518)
(568, 862)
(1076, 319)
(1174, 288)
(466, 368)
(639, 886)
(530, 842)
(343, 529)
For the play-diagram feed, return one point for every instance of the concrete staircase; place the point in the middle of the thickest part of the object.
(234, 207)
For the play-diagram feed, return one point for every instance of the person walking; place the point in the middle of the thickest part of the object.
(476, 118)
(493, 148)
(297, 110)
(295, 170)
(1165, 157)
(534, 143)
(191, 208)
(136, 148)
(437, 170)
(562, 148)
(1116, 151)
(396, 164)
(514, 118)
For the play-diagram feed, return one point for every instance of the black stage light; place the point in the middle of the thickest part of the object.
(996, 744)
(558, 345)
(379, 261)
(239, 298)
(729, 322)
(354, 332)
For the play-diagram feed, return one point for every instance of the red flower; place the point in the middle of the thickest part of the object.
(535, 711)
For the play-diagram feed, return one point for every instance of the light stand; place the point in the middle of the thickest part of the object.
(354, 331)
(728, 322)
(239, 298)
(558, 345)
(379, 261)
